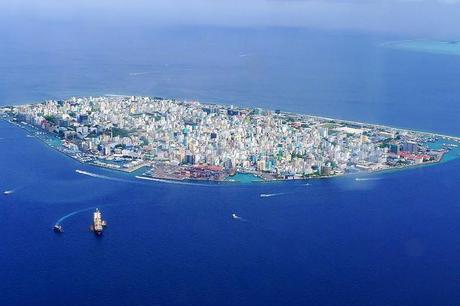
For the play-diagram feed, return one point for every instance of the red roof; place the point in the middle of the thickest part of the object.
(409, 155)
(207, 167)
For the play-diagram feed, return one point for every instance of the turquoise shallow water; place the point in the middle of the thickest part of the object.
(244, 178)
(430, 46)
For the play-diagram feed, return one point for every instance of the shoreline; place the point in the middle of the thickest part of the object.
(260, 180)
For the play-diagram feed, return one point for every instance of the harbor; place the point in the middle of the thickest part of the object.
(154, 138)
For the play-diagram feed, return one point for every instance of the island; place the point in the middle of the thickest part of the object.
(158, 138)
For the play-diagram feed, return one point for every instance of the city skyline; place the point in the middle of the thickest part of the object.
(183, 140)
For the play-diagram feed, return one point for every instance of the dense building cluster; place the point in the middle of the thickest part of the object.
(220, 139)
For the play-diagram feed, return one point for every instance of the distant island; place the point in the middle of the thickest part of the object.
(159, 138)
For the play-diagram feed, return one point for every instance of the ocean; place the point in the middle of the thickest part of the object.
(385, 239)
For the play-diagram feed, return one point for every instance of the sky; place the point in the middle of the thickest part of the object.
(425, 18)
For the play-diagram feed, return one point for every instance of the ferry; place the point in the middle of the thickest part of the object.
(58, 228)
(98, 223)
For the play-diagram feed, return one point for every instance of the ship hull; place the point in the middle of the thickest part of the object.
(98, 223)
(96, 232)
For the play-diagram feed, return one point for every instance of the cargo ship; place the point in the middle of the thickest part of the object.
(98, 223)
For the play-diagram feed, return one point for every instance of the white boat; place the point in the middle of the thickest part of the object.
(57, 228)
(234, 216)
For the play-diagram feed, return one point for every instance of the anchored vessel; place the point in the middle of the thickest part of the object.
(57, 228)
(98, 223)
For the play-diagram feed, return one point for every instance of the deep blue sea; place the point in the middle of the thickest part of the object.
(393, 239)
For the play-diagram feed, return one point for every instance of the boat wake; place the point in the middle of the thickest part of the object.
(172, 181)
(138, 73)
(76, 212)
(238, 218)
(269, 195)
(11, 191)
(104, 177)
(363, 179)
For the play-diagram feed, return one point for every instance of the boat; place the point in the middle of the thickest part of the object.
(98, 223)
(58, 228)
(234, 216)
(7, 192)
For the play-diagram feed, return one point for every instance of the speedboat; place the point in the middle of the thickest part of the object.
(58, 228)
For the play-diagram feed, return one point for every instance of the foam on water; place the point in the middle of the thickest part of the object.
(105, 177)
(238, 218)
(359, 179)
(11, 191)
(138, 73)
(173, 182)
(269, 195)
(59, 221)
